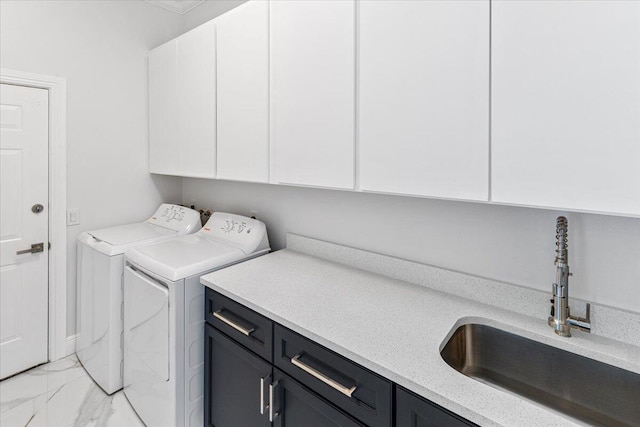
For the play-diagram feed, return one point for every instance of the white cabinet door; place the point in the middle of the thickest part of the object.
(163, 110)
(424, 97)
(182, 105)
(312, 62)
(196, 71)
(566, 104)
(243, 93)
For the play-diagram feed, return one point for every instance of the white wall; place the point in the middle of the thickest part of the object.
(100, 47)
(511, 244)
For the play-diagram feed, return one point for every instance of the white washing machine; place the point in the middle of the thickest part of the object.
(164, 316)
(99, 296)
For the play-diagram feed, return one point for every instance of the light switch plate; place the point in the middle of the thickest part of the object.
(73, 216)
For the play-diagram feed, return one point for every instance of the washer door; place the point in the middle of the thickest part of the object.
(146, 316)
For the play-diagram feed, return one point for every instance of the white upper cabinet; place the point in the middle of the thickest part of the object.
(424, 97)
(566, 104)
(196, 54)
(525, 102)
(182, 105)
(312, 61)
(163, 110)
(243, 93)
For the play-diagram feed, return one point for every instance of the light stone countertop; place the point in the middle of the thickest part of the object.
(397, 329)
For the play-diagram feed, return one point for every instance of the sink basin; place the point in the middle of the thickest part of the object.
(582, 388)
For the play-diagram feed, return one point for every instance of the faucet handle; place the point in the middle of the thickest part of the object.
(582, 323)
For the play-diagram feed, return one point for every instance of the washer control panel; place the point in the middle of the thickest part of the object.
(178, 218)
(238, 231)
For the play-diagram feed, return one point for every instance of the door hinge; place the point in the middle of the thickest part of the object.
(48, 246)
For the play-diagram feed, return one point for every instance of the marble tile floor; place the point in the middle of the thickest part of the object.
(61, 394)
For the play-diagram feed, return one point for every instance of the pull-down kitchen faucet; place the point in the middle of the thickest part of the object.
(560, 319)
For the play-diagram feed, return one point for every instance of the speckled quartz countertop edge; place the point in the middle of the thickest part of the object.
(397, 329)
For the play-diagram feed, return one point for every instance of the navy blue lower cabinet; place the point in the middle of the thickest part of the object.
(296, 406)
(364, 395)
(261, 374)
(240, 386)
(415, 411)
(236, 383)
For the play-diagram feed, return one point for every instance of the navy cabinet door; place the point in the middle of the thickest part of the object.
(372, 400)
(232, 383)
(297, 406)
(414, 411)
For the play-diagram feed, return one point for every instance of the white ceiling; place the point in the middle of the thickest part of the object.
(177, 6)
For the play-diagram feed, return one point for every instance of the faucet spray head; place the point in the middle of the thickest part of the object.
(562, 226)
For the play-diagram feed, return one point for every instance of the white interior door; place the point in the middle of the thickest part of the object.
(24, 137)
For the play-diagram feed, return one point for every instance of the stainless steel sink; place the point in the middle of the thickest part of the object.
(582, 388)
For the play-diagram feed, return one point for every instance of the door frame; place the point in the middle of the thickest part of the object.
(57, 87)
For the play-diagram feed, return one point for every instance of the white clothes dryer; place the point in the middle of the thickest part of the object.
(164, 316)
(100, 255)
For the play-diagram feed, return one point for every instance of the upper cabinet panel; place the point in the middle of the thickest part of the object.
(312, 92)
(163, 110)
(243, 93)
(566, 104)
(182, 105)
(196, 57)
(424, 97)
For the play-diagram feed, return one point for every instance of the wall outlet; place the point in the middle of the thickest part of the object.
(73, 216)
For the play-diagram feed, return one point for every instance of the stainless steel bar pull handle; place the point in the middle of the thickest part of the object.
(218, 315)
(262, 407)
(35, 248)
(272, 415)
(347, 391)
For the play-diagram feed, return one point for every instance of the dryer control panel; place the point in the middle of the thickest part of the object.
(174, 217)
(247, 234)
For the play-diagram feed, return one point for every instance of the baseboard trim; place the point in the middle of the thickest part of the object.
(70, 347)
